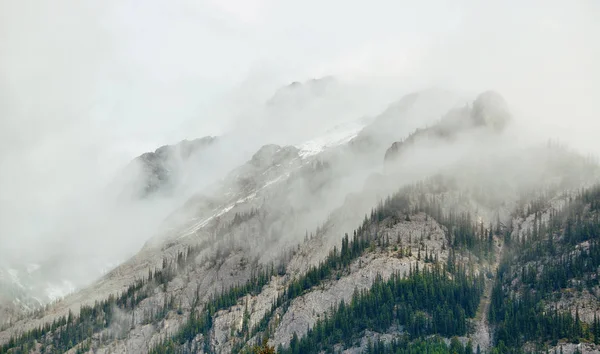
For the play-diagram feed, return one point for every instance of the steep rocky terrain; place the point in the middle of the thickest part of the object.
(312, 248)
(155, 184)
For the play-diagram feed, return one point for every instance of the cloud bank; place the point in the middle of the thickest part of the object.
(85, 86)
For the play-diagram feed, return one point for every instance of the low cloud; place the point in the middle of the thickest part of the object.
(87, 86)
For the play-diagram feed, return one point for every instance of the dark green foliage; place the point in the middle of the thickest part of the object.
(426, 302)
(461, 229)
(526, 319)
(547, 261)
(403, 345)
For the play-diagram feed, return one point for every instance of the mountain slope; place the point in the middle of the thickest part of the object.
(262, 253)
(546, 292)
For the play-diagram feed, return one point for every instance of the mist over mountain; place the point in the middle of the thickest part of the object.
(260, 177)
(164, 169)
(489, 113)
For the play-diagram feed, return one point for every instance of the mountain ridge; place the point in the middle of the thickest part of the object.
(248, 240)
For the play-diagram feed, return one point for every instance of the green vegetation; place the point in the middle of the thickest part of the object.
(403, 345)
(425, 302)
(561, 253)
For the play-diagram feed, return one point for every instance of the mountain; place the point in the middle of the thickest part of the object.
(302, 110)
(413, 111)
(163, 170)
(153, 178)
(298, 94)
(489, 112)
(457, 239)
(134, 205)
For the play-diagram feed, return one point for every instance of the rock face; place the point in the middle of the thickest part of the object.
(491, 110)
(306, 310)
(270, 155)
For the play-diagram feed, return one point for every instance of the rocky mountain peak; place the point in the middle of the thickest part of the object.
(152, 172)
(298, 92)
(491, 110)
(410, 112)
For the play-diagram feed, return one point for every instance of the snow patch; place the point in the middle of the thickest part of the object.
(197, 226)
(286, 175)
(336, 136)
(192, 229)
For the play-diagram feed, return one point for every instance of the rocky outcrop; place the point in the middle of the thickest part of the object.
(158, 171)
(306, 310)
(490, 110)
(271, 155)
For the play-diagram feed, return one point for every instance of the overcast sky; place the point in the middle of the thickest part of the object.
(87, 85)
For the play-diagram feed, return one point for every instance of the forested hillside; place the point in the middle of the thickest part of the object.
(546, 286)
(537, 302)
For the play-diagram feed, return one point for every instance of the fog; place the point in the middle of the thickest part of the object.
(86, 86)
